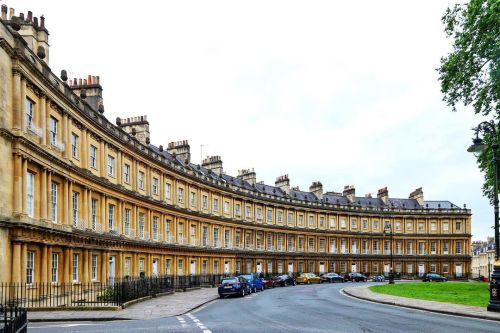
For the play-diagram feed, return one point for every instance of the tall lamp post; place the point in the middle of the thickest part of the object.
(388, 230)
(490, 128)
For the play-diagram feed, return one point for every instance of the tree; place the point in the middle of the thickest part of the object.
(471, 73)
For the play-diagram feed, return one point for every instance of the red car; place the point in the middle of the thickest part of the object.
(268, 282)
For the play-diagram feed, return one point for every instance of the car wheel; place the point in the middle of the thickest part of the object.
(294, 283)
(221, 296)
(255, 289)
(243, 292)
(308, 282)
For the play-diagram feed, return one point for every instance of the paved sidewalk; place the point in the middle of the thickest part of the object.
(159, 307)
(363, 292)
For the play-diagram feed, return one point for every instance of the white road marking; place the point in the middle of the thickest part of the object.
(199, 323)
(65, 325)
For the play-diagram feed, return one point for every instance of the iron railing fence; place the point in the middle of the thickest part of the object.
(114, 292)
(13, 320)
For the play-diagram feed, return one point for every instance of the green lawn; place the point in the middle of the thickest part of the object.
(467, 293)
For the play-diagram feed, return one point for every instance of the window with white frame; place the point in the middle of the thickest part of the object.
(180, 232)
(140, 180)
(216, 237)
(421, 248)
(216, 204)
(167, 230)
(126, 221)
(93, 156)
(53, 201)
(364, 246)
(127, 266)
(332, 222)
(290, 218)
(205, 236)
(55, 268)
(269, 215)
(74, 145)
(30, 267)
(226, 207)
(93, 213)
(376, 225)
(227, 238)
(192, 233)
(311, 221)
(259, 213)
(409, 247)
(343, 223)
(398, 267)
(75, 200)
(409, 268)
(333, 245)
(354, 224)
(322, 245)
(446, 269)
(397, 226)
(433, 268)
(248, 213)
(375, 247)
(29, 109)
(301, 220)
(76, 258)
(168, 191)
(141, 266)
(409, 226)
(126, 173)
(343, 266)
(446, 226)
(155, 227)
(433, 226)
(321, 222)
(30, 193)
(398, 247)
(364, 224)
(154, 186)
(446, 247)
(421, 227)
(111, 165)
(94, 267)
(180, 195)
(458, 247)
(192, 197)
(180, 266)
(111, 217)
(53, 125)
(237, 239)
(433, 247)
(141, 225)
(168, 266)
(237, 209)
(458, 226)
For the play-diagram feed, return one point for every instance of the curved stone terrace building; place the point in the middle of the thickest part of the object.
(84, 199)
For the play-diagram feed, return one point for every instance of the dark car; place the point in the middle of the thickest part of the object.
(283, 281)
(268, 282)
(355, 277)
(234, 286)
(430, 277)
(331, 277)
(254, 281)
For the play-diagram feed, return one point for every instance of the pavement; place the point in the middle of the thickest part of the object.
(175, 304)
(317, 308)
(362, 292)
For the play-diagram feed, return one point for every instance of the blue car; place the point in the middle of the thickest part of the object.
(254, 281)
(234, 286)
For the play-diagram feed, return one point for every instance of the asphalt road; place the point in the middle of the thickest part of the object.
(312, 308)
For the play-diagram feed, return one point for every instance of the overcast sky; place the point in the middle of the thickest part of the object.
(342, 92)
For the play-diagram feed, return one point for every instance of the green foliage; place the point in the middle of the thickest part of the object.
(466, 293)
(471, 73)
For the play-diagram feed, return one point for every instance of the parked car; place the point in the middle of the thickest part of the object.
(268, 282)
(331, 277)
(254, 281)
(307, 278)
(378, 278)
(430, 277)
(355, 277)
(283, 281)
(234, 286)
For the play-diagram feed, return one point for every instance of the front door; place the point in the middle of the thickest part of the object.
(226, 267)
(386, 269)
(458, 270)
(259, 267)
(321, 267)
(111, 270)
(192, 268)
(353, 267)
(155, 267)
(421, 269)
(290, 267)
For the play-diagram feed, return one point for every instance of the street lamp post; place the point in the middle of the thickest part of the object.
(388, 230)
(490, 128)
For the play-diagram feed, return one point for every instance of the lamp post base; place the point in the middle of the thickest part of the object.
(391, 278)
(494, 304)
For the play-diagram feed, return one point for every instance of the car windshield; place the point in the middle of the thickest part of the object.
(248, 277)
(229, 280)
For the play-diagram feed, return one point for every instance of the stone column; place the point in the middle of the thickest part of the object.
(103, 213)
(18, 184)
(46, 129)
(43, 119)
(84, 148)
(48, 203)
(49, 264)
(119, 168)
(24, 190)
(119, 214)
(65, 138)
(66, 266)
(65, 201)
(24, 257)
(17, 105)
(86, 277)
(70, 205)
(16, 260)
(43, 196)
(44, 264)
(104, 267)
(86, 207)
(22, 106)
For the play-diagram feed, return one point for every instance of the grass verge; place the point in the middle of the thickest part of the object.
(466, 293)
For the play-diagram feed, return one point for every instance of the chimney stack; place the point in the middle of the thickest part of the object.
(36, 36)
(350, 192)
(383, 194)
(181, 149)
(138, 125)
(248, 175)
(213, 163)
(93, 90)
(283, 182)
(317, 189)
(418, 195)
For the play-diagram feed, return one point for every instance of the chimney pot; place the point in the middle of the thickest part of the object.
(64, 75)
(21, 16)
(4, 12)
(11, 13)
(42, 21)
(30, 16)
(35, 21)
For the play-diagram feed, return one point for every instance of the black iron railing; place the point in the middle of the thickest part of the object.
(14, 320)
(115, 292)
